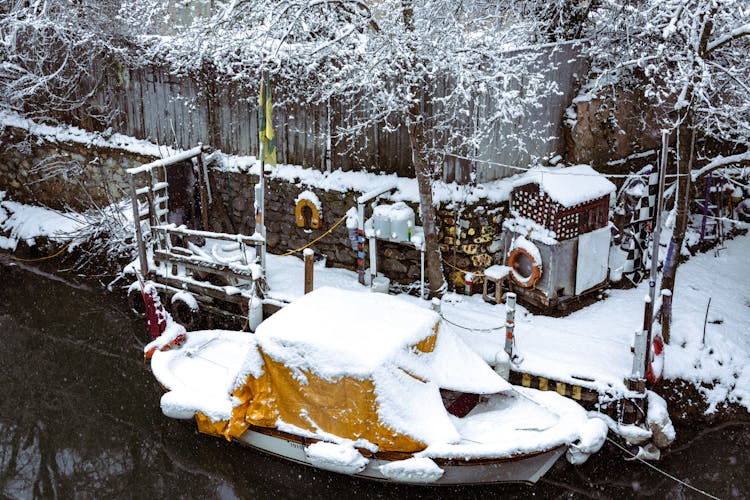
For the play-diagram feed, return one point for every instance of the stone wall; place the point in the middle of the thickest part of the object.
(78, 176)
(605, 131)
(62, 175)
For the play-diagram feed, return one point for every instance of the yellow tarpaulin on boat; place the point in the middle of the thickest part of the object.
(346, 407)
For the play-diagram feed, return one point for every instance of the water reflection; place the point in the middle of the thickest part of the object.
(79, 418)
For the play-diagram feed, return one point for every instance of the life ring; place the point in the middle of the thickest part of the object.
(184, 314)
(312, 221)
(525, 269)
(655, 359)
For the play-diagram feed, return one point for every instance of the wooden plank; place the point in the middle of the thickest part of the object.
(223, 270)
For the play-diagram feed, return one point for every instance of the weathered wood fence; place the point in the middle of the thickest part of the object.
(149, 103)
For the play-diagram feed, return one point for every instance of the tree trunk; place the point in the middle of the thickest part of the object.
(423, 173)
(686, 144)
(415, 126)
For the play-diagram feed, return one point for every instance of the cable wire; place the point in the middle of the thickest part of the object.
(47, 257)
(316, 239)
(670, 476)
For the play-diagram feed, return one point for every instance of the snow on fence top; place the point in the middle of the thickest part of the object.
(338, 180)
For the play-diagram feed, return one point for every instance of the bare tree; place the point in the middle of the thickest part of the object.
(448, 73)
(691, 58)
(54, 53)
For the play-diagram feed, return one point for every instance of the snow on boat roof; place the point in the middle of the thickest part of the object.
(338, 333)
(343, 333)
(569, 186)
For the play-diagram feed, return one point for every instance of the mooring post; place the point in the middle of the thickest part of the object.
(510, 316)
(309, 260)
(469, 279)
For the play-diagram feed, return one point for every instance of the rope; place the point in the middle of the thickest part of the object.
(487, 330)
(553, 172)
(476, 274)
(316, 239)
(670, 476)
(47, 257)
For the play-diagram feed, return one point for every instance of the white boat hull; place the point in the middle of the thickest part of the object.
(523, 469)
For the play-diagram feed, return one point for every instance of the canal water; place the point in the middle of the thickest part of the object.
(80, 418)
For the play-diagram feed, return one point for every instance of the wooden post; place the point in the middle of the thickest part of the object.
(666, 314)
(138, 231)
(204, 189)
(309, 260)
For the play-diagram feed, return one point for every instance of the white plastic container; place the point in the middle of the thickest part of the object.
(381, 284)
(381, 221)
(402, 221)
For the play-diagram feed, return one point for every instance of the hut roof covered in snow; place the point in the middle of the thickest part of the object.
(569, 186)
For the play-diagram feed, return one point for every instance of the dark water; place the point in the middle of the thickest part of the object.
(80, 418)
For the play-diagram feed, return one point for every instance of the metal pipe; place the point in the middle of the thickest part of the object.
(510, 316)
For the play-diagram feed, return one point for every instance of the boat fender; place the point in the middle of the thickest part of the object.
(655, 359)
(156, 319)
(525, 263)
(591, 438)
(185, 310)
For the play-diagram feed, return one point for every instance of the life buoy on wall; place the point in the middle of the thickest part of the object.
(299, 215)
(526, 268)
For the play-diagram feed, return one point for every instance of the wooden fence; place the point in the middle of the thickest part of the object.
(149, 103)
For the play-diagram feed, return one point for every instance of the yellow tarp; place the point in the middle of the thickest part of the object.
(346, 407)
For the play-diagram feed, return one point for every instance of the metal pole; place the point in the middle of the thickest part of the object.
(657, 234)
(361, 242)
(421, 271)
(262, 174)
(510, 316)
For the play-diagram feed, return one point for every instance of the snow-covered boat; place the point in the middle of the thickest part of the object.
(369, 385)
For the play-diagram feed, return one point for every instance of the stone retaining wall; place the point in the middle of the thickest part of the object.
(78, 176)
(62, 174)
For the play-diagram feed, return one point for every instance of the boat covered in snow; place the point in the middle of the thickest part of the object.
(368, 385)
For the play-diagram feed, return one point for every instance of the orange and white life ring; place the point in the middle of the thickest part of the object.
(526, 268)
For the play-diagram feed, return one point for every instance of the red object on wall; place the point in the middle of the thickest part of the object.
(156, 320)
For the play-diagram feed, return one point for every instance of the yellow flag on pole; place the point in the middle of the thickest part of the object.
(265, 123)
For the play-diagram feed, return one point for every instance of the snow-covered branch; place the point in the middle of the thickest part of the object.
(722, 161)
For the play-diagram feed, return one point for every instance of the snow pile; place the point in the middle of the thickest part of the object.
(710, 345)
(26, 223)
(530, 228)
(591, 439)
(412, 470)
(336, 457)
(312, 198)
(569, 186)
(202, 374)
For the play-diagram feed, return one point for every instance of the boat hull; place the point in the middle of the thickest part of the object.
(527, 468)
